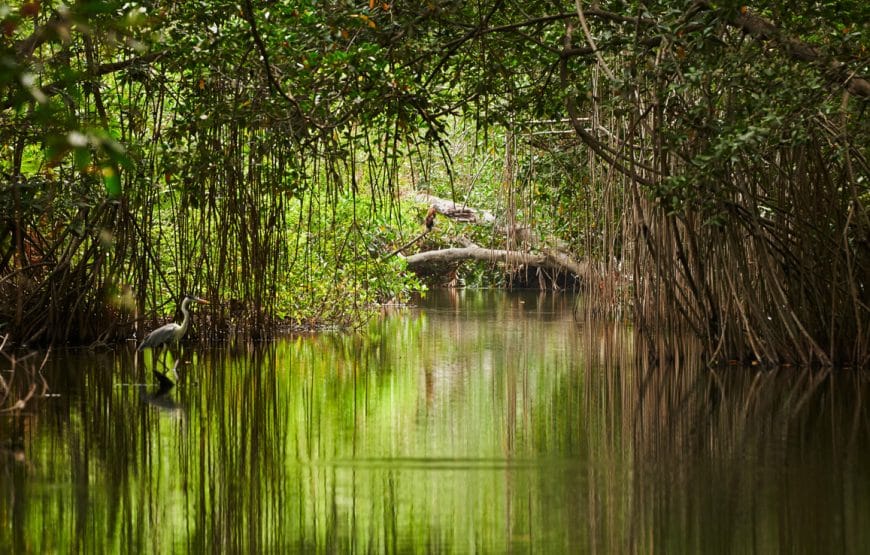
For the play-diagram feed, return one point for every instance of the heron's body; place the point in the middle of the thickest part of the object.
(171, 333)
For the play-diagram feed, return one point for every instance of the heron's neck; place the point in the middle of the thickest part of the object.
(186, 321)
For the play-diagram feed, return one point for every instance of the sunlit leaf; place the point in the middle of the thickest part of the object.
(112, 181)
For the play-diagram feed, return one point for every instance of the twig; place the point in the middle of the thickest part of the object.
(591, 41)
(408, 244)
(270, 77)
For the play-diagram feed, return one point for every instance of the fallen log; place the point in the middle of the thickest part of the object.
(550, 260)
(553, 259)
(454, 211)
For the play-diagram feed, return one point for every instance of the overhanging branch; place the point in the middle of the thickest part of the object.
(761, 29)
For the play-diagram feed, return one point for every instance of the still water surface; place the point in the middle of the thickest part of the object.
(478, 422)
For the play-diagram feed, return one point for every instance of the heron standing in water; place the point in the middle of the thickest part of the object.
(170, 334)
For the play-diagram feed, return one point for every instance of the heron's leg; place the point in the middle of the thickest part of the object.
(155, 358)
(164, 351)
(176, 376)
(178, 357)
(164, 382)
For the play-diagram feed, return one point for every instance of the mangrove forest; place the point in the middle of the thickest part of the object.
(397, 276)
(700, 168)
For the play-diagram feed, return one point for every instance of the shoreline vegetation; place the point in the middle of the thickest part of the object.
(700, 170)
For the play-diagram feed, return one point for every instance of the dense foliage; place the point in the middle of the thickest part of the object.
(715, 170)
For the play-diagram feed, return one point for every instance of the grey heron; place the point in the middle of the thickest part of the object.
(170, 333)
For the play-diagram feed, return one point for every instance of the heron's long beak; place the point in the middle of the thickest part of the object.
(202, 301)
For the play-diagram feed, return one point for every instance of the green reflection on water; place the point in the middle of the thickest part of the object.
(481, 422)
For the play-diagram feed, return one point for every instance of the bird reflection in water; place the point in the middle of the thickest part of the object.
(160, 398)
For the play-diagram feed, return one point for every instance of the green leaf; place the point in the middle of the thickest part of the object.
(112, 181)
(82, 157)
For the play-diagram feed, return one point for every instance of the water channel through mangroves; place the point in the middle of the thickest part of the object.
(479, 422)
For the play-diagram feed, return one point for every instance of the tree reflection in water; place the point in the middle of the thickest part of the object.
(480, 422)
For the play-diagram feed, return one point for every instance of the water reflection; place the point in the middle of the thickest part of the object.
(479, 422)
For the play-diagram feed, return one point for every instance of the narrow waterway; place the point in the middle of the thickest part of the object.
(479, 422)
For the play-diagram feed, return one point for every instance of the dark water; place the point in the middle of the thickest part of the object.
(481, 422)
